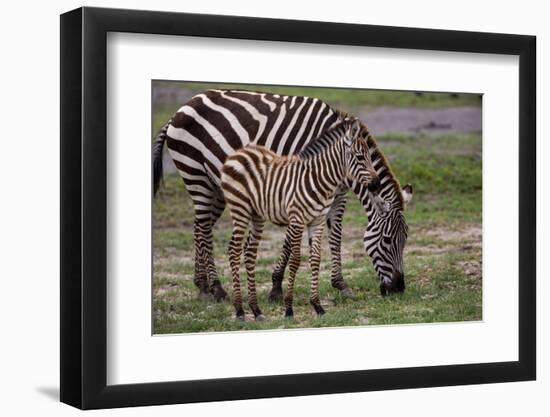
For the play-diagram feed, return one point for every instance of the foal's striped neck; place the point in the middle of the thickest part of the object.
(390, 189)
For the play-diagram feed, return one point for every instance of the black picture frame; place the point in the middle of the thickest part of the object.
(84, 207)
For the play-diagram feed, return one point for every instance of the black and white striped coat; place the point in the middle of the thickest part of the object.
(297, 191)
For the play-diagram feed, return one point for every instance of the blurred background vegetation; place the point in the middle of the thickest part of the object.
(168, 96)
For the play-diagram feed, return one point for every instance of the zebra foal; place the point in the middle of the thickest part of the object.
(296, 191)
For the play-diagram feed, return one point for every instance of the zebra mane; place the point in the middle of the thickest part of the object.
(383, 167)
(324, 141)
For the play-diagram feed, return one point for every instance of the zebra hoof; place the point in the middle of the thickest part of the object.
(320, 311)
(347, 293)
(260, 317)
(289, 313)
(219, 293)
(205, 296)
(275, 296)
(239, 318)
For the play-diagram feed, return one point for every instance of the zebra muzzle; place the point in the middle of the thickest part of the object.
(394, 285)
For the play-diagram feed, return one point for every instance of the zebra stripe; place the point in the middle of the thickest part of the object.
(297, 191)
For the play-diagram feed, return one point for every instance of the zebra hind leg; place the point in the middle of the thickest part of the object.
(216, 288)
(202, 194)
(201, 230)
(276, 293)
(235, 251)
(250, 253)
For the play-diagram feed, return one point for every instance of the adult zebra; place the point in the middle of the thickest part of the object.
(216, 123)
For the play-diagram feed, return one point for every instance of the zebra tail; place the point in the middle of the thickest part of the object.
(158, 145)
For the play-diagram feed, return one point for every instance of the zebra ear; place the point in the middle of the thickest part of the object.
(407, 193)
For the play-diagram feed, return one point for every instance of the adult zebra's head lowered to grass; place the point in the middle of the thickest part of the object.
(387, 231)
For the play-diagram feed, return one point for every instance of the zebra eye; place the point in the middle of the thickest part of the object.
(386, 239)
(360, 156)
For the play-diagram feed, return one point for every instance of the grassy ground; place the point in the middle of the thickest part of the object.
(443, 254)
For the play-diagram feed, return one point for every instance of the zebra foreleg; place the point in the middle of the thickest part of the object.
(294, 234)
(250, 252)
(315, 233)
(334, 224)
(276, 293)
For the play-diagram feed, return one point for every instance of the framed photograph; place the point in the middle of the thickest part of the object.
(261, 208)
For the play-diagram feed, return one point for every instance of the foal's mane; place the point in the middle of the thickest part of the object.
(325, 140)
